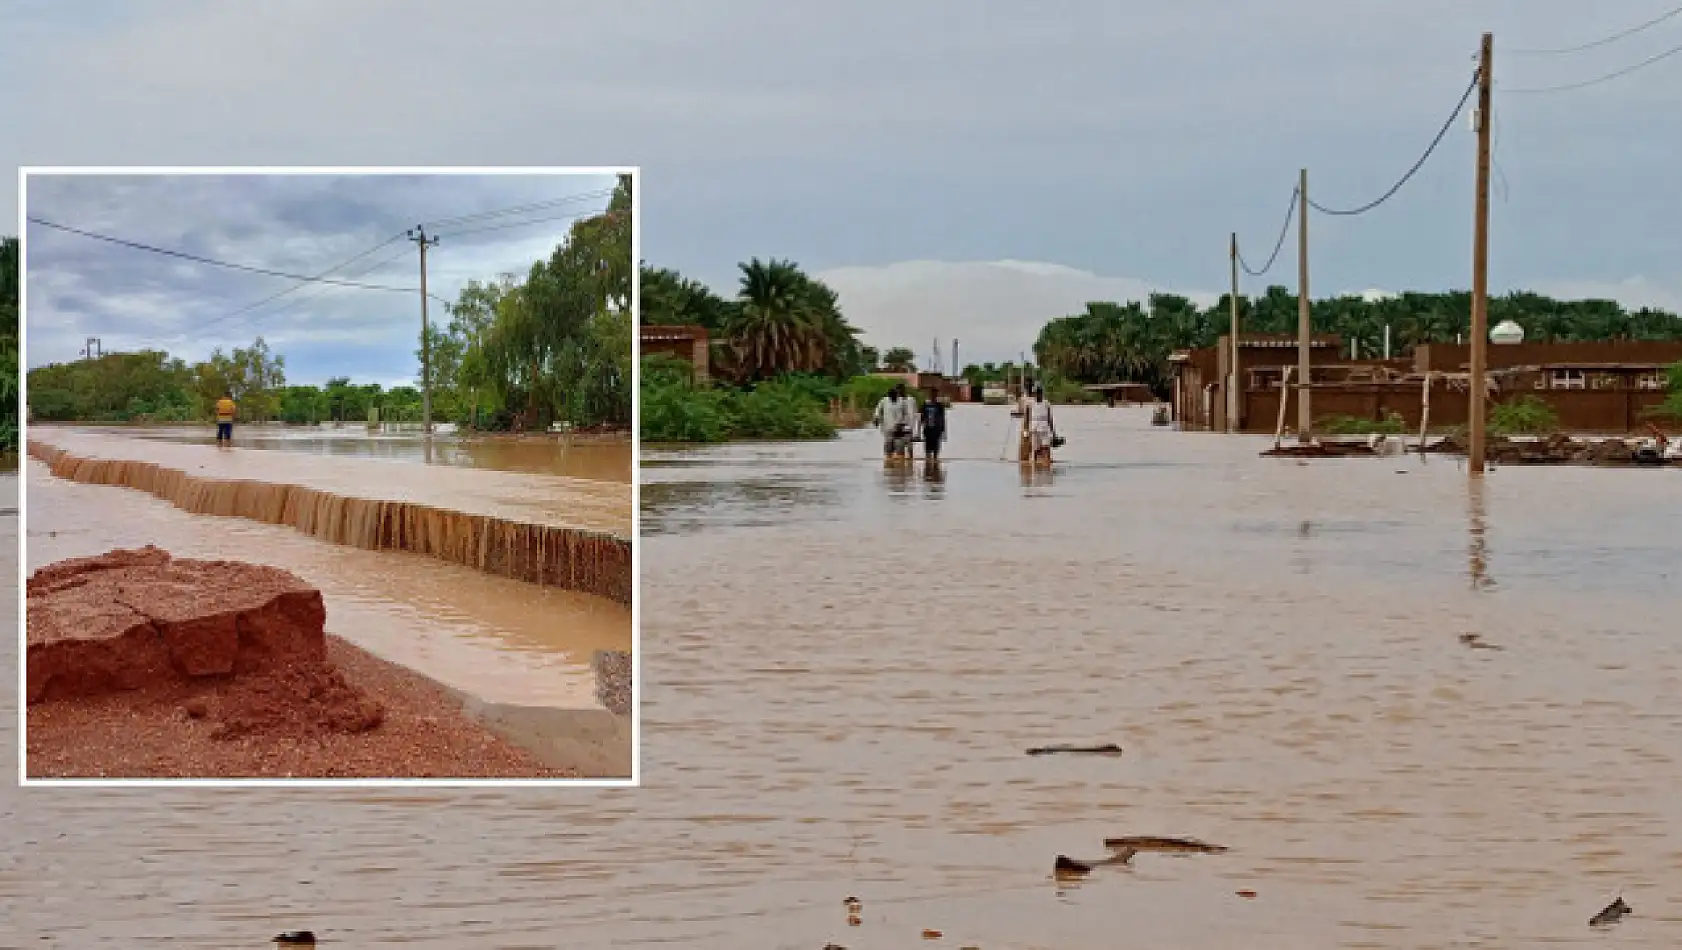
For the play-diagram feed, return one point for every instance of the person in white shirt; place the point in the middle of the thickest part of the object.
(1041, 427)
(896, 417)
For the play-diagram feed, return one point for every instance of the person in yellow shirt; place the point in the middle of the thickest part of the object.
(225, 409)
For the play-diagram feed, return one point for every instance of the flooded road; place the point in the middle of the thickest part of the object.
(597, 458)
(846, 666)
(499, 639)
(516, 497)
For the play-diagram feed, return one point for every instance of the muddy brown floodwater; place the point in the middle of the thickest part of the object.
(596, 457)
(846, 665)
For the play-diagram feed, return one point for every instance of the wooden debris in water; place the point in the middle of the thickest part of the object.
(1611, 914)
(1477, 642)
(1169, 845)
(1106, 749)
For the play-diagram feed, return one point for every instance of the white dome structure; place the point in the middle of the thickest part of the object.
(1507, 332)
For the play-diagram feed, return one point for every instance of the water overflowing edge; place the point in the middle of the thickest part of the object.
(590, 562)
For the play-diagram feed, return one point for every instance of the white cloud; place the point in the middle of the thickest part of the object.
(995, 309)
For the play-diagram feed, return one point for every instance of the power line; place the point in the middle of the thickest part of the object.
(216, 263)
(399, 236)
(1284, 229)
(1448, 123)
(536, 206)
(1603, 40)
(518, 224)
(1600, 79)
(320, 291)
(299, 286)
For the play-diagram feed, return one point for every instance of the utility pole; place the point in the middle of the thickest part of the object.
(1304, 419)
(418, 235)
(956, 369)
(1480, 265)
(1235, 395)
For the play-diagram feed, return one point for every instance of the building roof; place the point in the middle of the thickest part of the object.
(658, 332)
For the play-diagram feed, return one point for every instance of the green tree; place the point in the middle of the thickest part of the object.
(899, 360)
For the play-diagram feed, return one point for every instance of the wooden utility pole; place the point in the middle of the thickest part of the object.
(1480, 266)
(1235, 395)
(1305, 423)
(418, 235)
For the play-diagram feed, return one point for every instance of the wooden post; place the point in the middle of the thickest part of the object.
(1424, 412)
(1284, 394)
(1235, 393)
(1305, 418)
(1480, 266)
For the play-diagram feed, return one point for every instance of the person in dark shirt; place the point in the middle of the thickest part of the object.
(934, 426)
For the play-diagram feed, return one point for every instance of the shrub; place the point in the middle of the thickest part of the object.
(1526, 415)
(1391, 424)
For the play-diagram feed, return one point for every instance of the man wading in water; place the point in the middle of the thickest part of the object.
(895, 417)
(1042, 431)
(225, 409)
(934, 428)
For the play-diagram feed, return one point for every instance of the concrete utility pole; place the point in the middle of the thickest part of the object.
(1305, 420)
(418, 235)
(1480, 265)
(1234, 395)
(956, 369)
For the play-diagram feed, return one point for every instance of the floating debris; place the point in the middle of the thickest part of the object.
(1477, 642)
(296, 938)
(1171, 845)
(1613, 913)
(1247, 895)
(1106, 749)
(932, 935)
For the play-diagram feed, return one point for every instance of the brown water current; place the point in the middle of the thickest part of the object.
(594, 457)
(844, 667)
(571, 533)
(501, 640)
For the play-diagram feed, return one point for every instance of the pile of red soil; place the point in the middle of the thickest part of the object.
(141, 665)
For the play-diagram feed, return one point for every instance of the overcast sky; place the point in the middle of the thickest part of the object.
(903, 149)
(298, 224)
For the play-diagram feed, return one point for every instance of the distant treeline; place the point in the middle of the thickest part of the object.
(152, 386)
(516, 352)
(1113, 342)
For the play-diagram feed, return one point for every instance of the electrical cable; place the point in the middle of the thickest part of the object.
(206, 260)
(299, 286)
(320, 292)
(1602, 41)
(1459, 107)
(1284, 229)
(517, 224)
(536, 206)
(1567, 87)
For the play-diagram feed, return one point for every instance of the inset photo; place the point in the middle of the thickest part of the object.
(328, 476)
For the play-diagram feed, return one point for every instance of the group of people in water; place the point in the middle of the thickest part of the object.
(903, 423)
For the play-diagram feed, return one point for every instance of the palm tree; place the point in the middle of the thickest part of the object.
(776, 329)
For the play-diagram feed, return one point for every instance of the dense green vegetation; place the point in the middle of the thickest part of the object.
(515, 353)
(1112, 342)
(10, 301)
(1671, 409)
(1526, 415)
(786, 363)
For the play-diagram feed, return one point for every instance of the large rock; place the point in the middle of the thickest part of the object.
(126, 619)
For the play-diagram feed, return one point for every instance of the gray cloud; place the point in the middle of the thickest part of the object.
(1118, 138)
(302, 224)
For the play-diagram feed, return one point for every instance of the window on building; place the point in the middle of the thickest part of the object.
(1650, 381)
(1566, 379)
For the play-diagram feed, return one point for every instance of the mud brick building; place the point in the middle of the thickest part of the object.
(1594, 387)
